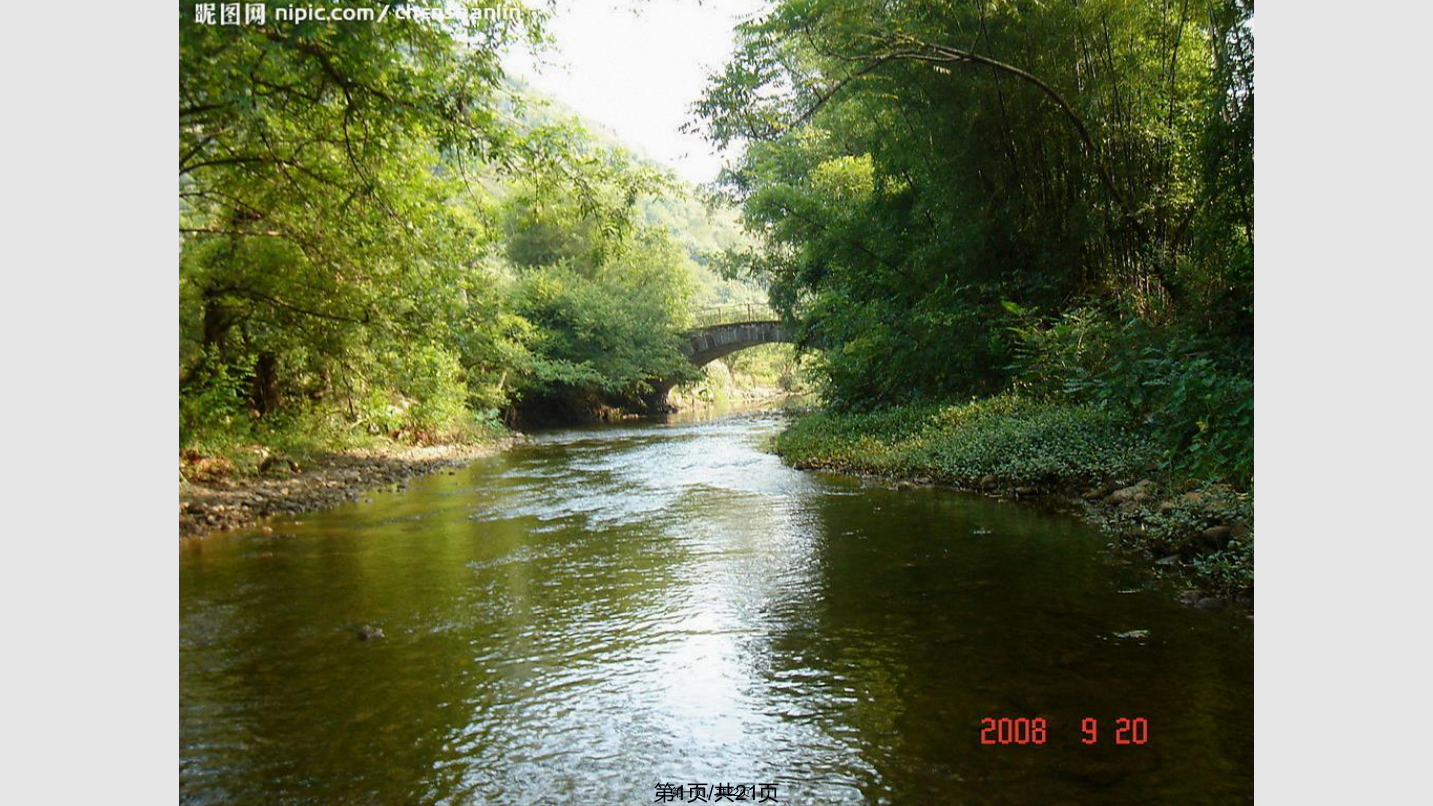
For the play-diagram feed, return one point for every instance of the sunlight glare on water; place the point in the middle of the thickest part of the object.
(610, 607)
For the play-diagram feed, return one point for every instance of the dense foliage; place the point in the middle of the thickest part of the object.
(955, 199)
(1018, 441)
(381, 235)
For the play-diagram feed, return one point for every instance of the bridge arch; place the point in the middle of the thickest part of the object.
(721, 332)
(707, 344)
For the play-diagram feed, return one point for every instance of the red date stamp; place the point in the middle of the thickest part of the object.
(1036, 730)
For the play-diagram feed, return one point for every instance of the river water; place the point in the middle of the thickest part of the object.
(606, 609)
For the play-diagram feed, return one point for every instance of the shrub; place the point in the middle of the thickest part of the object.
(1193, 393)
(431, 378)
(213, 406)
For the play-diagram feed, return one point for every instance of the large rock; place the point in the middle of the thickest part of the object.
(1137, 493)
(278, 465)
(1215, 538)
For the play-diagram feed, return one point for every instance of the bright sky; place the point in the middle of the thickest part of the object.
(636, 66)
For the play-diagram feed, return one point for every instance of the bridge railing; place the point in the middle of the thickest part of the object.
(735, 314)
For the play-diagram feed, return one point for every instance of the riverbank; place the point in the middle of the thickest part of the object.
(215, 497)
(1197, 531)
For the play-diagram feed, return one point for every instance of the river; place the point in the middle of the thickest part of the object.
(606, 609)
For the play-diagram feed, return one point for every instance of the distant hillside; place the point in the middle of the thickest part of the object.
(703, 230)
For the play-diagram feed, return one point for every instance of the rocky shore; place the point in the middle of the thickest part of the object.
(1196, 531)
(1200, 537)
(213, 499)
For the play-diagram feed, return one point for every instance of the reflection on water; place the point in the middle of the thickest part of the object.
(611, 607)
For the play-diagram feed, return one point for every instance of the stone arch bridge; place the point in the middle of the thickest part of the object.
(719, 332)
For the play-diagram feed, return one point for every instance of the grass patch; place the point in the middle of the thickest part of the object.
(1018, 441)
(239, 446)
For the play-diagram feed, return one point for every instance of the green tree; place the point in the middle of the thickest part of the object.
(317, 184)
(919, 171)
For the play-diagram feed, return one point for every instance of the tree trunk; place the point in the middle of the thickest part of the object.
(218, 318)
(266, 383)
